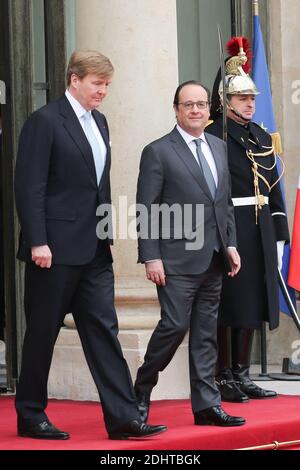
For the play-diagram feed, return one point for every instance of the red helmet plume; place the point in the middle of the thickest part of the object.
(234, 47)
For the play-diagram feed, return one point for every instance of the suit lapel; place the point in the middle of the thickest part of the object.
(104, 133)
(74, 129)
(215, 149)
(184, 153)
(102, 127)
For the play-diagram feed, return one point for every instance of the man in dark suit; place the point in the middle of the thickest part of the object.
(187, 168)
(62, 176)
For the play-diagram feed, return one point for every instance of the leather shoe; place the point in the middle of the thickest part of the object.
(137, 429)
(218, 417)
(229, 389)
(254, 391)
(143, 400)
(44, 430)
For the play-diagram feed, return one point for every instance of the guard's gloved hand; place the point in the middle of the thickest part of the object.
(280, 248)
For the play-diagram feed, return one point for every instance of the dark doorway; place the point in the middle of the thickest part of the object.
(2, 304)
(32, 64)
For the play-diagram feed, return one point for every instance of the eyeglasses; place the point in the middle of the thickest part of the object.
(190, 104)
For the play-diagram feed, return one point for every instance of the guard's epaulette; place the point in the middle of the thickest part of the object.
(209, 122)
(276, 141)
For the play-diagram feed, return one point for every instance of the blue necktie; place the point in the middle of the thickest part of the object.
(98, 157)
(209, 180)
(205, 168)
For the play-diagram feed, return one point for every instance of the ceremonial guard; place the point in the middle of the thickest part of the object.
(251, 297)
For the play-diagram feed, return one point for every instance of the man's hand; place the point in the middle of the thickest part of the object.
(155, 272)
(234, 260)
(41, 256)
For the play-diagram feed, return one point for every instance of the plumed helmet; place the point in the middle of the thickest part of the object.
(238, 84)
(237, 78)
(237, 68)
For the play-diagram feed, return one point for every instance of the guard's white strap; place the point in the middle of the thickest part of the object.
(248, 201)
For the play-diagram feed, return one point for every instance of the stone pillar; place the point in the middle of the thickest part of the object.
(140, 38)
(285, 72)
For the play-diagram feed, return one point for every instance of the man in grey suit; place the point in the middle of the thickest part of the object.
(187, 169)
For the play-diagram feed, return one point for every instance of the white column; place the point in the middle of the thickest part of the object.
(140, 38)
(285, 81)
(285, 74)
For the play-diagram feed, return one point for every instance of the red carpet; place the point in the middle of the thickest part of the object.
(267, 421)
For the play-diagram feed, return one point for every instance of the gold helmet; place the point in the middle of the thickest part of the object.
(237, 68)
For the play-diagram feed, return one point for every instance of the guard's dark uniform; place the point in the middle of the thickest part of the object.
(252, 296)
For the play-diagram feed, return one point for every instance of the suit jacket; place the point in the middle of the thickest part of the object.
(169, 174)
(55, 184)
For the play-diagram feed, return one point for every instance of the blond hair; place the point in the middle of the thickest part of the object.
(83, 62)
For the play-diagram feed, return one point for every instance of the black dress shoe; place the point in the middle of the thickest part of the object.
(218, 417)
(253, 390)
(44, 430)
(137, 429)
(230, 390)
(143, 400)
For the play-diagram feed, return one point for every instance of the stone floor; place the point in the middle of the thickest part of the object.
(287, 387)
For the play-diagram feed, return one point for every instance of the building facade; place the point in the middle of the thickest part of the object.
(154, 45)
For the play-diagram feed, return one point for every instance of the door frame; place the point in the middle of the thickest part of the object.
(16, 39)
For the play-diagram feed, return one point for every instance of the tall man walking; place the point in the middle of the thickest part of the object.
(62, 175)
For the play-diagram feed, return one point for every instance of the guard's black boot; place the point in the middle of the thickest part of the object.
(241, 352)
(229, 390)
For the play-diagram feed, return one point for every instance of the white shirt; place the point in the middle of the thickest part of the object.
(189, 139)
(80, 111)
